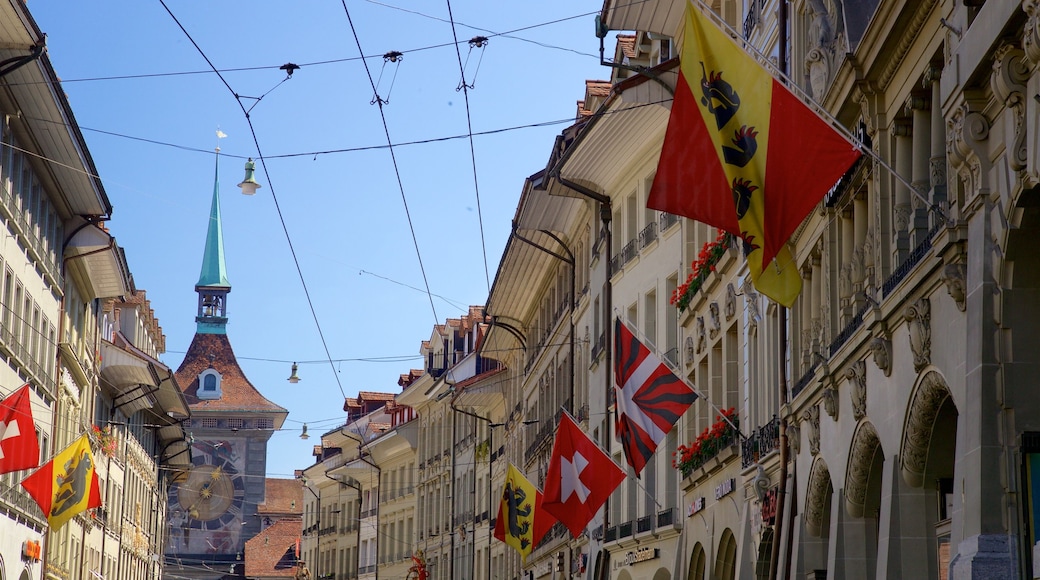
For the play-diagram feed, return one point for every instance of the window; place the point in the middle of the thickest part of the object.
(209, 385)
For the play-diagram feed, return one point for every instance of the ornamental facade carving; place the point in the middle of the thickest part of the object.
(817, 497)
(865, 444)
(881, 351)
(1009, 78)
(919, 317)
(731, 302)
(857, 375)
(928, 398)
(811, 419)
(702, 339)
(713, 316)
(953, 276)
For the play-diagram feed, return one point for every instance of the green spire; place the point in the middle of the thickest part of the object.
(214, 270)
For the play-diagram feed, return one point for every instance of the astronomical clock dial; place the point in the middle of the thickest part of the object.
(211, 495)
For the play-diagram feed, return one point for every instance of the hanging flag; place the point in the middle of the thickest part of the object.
(743, 154)
(19, 447)
(66, 485)
(580, 478)
(649, 397)
(521, 521)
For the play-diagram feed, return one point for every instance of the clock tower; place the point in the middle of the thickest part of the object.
(212, 505)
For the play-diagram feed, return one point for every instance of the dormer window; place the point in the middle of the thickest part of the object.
(209, 385)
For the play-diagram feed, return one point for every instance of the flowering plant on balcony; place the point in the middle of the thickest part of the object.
(106, 439)
(708, 444)
(700, 269)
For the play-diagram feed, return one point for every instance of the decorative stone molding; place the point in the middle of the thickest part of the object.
(864, 94)
(731, 302)
(716, 324)
(857, 375)
(966, 131)
(824, 38)
(702, 339)
(753, 311)
(1031, 32)
(881, 349)
(830, 400)
(865, 444)
(817, 497)
(926, 400)
(906, 40)
(691, 350)
(811, 417)
(953, 276)
(918, 316)
(1008, 81)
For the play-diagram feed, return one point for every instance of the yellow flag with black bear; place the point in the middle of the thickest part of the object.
(66, 485)
(521, 521)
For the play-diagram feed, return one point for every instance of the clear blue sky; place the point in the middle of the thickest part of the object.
(343, 211)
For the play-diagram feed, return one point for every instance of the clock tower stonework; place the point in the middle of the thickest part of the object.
(212, 505)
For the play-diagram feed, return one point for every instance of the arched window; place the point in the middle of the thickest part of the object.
(209, 385)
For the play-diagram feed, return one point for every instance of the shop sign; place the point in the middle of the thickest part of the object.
(696, 506)
(769, 506)
(636, 556)
(31, 551)
(725, 488)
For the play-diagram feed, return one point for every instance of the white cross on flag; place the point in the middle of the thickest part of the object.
(19, 448)
(580, 478)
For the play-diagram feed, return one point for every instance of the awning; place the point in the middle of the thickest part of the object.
(94, 258)
(139, 382)
(661, 16)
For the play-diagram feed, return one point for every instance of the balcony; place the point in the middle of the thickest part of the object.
(647, 235)
(611, 534)
(369, 513)
(644, 524)
(598, 346)
(761, 441)
(626, 255)
(668, 220)
(625, 530)
(667, 517)
(911, 261)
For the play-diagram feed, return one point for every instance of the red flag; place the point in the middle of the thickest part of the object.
(66, 485)
(580, 478)
(19, 447)
(743, 154)
(518, 524)
(649, 397)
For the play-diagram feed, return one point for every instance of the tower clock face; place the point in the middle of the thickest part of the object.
(211, 495)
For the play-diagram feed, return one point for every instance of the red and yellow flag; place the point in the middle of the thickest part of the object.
(743, 154)
(521, 521)
(66, 485)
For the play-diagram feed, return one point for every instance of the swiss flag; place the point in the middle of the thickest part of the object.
(19, 448)
(580, 478)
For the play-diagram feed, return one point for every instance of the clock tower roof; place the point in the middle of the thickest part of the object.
(237, 393)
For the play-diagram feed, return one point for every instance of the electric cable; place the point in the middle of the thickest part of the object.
(472, 148)
(274, 197)
(393, 157)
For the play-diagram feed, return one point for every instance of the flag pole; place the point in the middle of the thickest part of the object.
(823, 113)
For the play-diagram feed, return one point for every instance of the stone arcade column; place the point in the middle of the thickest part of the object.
(982, 546)
(901, 209)
(906, 536)
(852, 539)
(918, 106)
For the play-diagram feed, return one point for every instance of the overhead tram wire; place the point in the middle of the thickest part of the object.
(472, 148)
(274, 197)
(393, 157)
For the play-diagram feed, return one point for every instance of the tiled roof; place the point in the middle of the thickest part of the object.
(281, 497)
(595, 88)
(627, 44)
(272, 552)
(237, 393)
(374, 396)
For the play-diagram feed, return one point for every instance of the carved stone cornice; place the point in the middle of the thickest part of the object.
(907, 40)
(918, 316)
(865, 444)
(928, 397)
(817, 497)
(857, 375)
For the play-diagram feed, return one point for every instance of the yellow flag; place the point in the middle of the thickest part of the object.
(517, 524)
(66, 485)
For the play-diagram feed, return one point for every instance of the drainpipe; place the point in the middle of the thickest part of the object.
(379, 484)
(782, 487)
(608, 299)
(568, 259)
(473, 491)
(357, 520)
